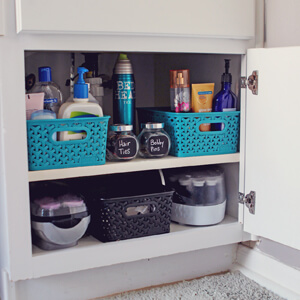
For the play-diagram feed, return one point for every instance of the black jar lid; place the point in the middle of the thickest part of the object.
(121, 127)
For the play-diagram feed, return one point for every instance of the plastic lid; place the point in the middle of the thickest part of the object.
(43, 114)
(62, 206)
(81, 89)
(211, 181)
(123, 56)
(185, 180)
(45, 74)
(150, 125)
(120, 127)
(198, 182)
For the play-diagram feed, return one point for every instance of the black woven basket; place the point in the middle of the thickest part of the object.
(131, 216)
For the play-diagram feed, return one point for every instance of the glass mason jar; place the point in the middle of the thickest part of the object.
(122, 144)
(154, 141)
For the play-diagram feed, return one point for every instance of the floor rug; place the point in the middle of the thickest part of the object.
(231, 286)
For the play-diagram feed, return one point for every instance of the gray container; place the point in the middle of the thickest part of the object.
(58, 222)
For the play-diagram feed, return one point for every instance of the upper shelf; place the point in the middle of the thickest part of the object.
(138, 164)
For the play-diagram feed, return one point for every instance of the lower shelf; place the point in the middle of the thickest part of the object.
(138, 164)
(90, 253)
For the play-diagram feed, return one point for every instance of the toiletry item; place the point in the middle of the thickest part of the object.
(96, 89)
(154, 141)
(58, 221)
(91, 98)
(225, 99)
(79, 108)
(200, 195)
(33, 103)
(123, 92)
(53, 95)
(122, 144)
(198, 190)
(45, 114)
(202, 98)
(180, 90)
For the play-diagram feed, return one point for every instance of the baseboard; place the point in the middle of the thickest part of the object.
(267, 271)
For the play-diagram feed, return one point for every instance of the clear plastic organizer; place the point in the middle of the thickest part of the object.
(186, 137)
(45, 152)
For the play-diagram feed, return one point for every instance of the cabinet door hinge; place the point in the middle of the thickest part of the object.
(249, 200)
(251, 82)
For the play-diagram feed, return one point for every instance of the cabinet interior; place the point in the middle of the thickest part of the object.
(151, 71)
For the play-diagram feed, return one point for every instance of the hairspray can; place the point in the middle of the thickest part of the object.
(123, 92)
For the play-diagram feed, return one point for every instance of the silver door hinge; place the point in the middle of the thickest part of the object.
(249, 200)
(251, 82)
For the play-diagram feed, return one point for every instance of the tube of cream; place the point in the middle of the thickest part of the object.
(202, 98)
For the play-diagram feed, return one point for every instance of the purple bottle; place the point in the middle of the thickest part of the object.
(225, 99)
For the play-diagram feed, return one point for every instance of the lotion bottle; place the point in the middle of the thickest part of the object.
(80, 107)
(225, 100)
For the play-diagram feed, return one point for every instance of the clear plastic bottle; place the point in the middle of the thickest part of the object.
(53, 95)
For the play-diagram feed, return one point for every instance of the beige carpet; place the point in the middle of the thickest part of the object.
(231, 286)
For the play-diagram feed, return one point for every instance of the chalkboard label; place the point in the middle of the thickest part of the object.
(158, 145)
(126, 147)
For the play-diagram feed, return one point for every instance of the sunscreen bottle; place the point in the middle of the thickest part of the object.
(80, 107)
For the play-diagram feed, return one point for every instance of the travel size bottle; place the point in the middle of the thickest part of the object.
(53, 95)
(225, 99)
(180, 90)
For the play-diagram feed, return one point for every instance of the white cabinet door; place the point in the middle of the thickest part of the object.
(272, 156)
(209, 18)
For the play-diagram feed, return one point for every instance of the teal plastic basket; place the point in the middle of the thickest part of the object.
(46, 153)
(186, 137)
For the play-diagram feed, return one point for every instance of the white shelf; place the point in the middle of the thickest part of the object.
(138, 164)
(90, 253)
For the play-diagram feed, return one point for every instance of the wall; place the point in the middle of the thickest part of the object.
(282, 23)
(282, 30)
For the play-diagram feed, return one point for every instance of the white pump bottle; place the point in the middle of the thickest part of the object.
(80, 107)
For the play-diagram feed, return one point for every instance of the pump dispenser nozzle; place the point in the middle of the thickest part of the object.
(226, 77)
(81, 89)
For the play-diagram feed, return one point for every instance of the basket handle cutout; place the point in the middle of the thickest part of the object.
(211, 126)
(83, 131)
(141, 209)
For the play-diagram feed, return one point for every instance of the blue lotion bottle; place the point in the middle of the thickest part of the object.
(225, 99)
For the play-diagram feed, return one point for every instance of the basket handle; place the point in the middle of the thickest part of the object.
(74, 129)
(140, 209)
(222, 121)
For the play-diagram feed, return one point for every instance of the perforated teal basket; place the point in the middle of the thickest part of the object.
(46, 153)
(186, 137)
